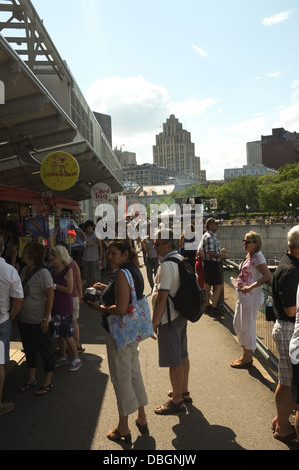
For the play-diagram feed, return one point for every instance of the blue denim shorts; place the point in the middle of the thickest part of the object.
(5, 333)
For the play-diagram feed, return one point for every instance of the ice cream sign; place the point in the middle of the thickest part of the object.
(59, 171)
(100, 192)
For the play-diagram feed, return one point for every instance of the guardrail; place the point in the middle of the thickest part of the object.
(265, 342)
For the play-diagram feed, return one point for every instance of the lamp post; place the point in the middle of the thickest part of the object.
(291, 205)
(246, 214)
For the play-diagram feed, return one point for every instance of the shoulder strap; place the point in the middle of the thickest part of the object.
(131, 285)
(176, 260)
(34, 271)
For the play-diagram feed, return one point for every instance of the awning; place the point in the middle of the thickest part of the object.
(32, 125)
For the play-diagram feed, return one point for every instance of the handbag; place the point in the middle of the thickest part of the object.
(135, 325)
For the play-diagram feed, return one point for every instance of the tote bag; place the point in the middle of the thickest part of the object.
(136, 325)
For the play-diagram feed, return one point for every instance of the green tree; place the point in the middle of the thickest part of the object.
(277, 192)
(238, 193)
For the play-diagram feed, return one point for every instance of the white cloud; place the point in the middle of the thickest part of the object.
(276, 19)
(289, 118)
(136, 106)
(251, 127)
(274, 74)
(138, 110)
(193, 107)
(200, 51)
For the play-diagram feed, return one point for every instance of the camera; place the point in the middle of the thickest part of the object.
(92, 294)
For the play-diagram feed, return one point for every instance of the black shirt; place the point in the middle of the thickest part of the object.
(285, 285)
(108, 296)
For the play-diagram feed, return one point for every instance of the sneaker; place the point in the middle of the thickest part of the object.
(61, 361)
(75, 365)
(80, 350)
(6, 408)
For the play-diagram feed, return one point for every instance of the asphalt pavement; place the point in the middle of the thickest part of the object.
(231, 409)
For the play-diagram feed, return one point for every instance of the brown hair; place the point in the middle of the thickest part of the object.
(125, 245)
(36, 252)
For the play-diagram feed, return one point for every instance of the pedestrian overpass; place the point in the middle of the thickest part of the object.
(45, 111)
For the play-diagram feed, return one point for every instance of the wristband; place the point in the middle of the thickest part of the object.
(54, 286)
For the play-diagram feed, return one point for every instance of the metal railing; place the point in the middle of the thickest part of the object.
(265, 342)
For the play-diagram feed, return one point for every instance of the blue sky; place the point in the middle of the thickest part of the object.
(227, 69)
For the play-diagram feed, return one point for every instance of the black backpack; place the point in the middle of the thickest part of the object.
(189, 299)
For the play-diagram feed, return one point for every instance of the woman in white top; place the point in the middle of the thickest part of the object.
(34, 317)
(253, 274)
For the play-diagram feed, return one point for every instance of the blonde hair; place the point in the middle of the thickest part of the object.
(293, 237)
(255, 237)
(63, 254)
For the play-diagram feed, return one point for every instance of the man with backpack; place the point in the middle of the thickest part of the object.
(171, 332)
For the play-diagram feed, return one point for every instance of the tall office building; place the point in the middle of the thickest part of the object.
(254, 152)
(175, 151)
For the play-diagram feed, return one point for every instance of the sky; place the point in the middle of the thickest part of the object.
(227, 69)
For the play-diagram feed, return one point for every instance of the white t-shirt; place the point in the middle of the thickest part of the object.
(167, 279)
(33, 307)
(249, 272)
(10, 286)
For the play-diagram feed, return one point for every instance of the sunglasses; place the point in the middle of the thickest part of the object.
(248, 241)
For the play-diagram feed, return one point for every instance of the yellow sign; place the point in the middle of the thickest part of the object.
(59, 171)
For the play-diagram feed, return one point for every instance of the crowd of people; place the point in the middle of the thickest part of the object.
(45, 300)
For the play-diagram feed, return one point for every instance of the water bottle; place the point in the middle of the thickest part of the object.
(234, 282)
(270, 315)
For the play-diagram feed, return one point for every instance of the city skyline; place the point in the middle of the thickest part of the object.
(226, 69)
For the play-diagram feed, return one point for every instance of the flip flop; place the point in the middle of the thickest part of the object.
(288, 439)
(170, 407)
(25, 387)
(44, 390)
(115, 435)
(241, 365)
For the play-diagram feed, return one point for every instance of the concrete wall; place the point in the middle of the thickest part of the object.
(274, 239)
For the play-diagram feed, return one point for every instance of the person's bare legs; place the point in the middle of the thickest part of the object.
(122, 427)
(207, 288)
(141, 417)
(186, 367)
(176, 375)
(285, 406)
(216, 294)
(4, 406)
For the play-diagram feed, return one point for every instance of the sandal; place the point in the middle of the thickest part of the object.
(186, 397)
(143, 428)
(25, 387)
(288, 439)
(170, 407)
(241, 365)
(115, 435)
(44, 390)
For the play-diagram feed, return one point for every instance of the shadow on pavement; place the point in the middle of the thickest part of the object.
(195, 433)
